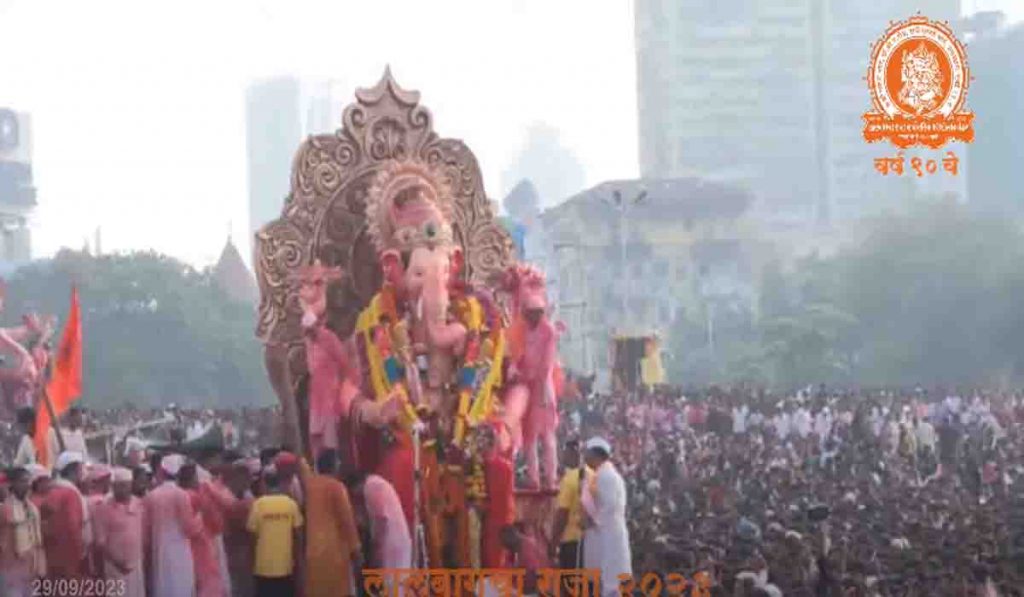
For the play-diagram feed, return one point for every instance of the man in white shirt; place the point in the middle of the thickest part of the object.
(823, 424)
(26, 453)
(802, 422)
(781, 424)
(739, 420)
(606, 538)
(926, 436)
(73, 432)
(877, 421)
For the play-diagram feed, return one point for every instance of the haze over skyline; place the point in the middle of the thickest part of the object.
(138, 109)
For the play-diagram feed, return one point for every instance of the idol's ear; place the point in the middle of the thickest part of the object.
(391, 266)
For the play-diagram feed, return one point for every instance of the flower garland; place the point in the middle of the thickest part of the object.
(377, 324)
(477, 379)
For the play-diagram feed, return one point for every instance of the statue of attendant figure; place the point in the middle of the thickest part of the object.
(28, 344)
(332, 379)
(531, 404)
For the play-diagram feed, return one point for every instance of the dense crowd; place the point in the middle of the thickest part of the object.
(814, 493)
(823, 493)
(246, 430)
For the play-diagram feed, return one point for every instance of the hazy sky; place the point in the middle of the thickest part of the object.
(138, 107)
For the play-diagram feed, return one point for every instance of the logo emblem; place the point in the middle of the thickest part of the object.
(918, 79)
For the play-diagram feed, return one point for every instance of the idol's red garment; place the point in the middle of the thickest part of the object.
(396, 467)
(500, 510)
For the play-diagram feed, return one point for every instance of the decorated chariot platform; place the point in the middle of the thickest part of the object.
(401, 331)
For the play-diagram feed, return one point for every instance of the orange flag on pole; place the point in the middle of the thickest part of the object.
(65, 384)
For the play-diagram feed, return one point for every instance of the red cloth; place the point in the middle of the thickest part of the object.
(989, 473)
(532, 558)
(499, 477)
(63, 516)
(286, 460)
(396, 466)
(532, 555)
(65, 385)
(697, 416)
(205, 554)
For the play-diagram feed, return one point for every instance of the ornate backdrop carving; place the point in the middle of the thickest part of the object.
(323, 215)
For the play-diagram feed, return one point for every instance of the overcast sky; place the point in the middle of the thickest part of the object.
(138, 107)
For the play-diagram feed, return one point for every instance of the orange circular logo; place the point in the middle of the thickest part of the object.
(918, 79)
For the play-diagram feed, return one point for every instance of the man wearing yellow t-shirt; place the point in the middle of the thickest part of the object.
(568, 527)
(275, 520)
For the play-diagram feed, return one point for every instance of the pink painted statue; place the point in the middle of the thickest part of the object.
(21, 381)
(531, 402)
(331, 379)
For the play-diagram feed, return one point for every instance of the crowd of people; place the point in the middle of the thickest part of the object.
(177, 517)
(822, 493)
(246, 430)
(749, 492)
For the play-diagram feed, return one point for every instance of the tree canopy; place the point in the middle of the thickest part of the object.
(926, 296)
(155, 330)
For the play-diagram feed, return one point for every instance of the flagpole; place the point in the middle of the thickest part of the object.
(50, 411)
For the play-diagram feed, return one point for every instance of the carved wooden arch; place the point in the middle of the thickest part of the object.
(324, 217)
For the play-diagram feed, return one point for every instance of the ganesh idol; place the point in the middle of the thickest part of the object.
(428, 347)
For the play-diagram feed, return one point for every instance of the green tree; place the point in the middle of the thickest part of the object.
(928, 296)
(934, 290)
(155, 330)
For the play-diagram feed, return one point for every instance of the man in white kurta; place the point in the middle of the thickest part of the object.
(392, 543)
(606, 539)
(802, 422)
(170, 523)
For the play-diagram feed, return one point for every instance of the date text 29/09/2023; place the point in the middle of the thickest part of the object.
(77, 587)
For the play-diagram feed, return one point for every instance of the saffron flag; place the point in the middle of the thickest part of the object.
(65, 384)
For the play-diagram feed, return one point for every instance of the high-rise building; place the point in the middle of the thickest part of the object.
(767, 94)
(17, 190)
(996, 156)
(848, 29)
(280, 112)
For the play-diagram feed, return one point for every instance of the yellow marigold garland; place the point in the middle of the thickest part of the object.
(476, 396)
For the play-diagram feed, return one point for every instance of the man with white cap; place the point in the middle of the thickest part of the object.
(117, 526)
(65, 515)
(170, 525)
(606, 538)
